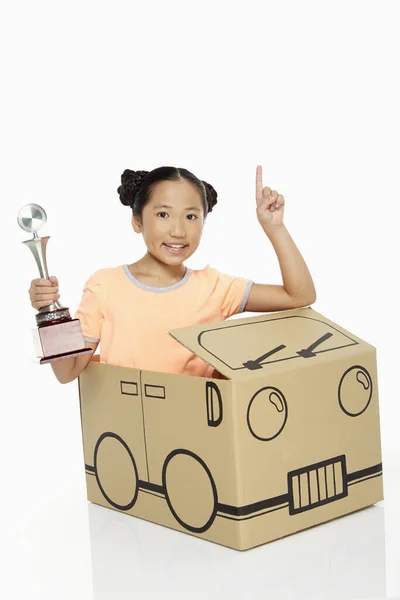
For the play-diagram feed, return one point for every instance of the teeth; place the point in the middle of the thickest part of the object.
(176, 247)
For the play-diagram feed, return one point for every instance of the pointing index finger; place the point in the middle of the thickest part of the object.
(259, 185)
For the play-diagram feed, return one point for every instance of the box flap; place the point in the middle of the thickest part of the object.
(243, 348)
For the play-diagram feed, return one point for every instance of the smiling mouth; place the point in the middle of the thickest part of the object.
(175, 248)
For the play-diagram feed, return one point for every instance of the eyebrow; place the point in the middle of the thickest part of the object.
(168, 206)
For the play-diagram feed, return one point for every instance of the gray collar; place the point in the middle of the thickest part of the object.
(150, 288)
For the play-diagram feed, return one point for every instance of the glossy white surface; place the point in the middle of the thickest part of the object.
(67, 548)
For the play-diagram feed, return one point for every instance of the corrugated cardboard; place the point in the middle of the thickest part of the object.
(286, 436)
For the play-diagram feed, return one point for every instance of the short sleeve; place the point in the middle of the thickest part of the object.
(234, 293)
(90, 310)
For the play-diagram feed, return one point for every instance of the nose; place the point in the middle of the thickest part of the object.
(177, 228)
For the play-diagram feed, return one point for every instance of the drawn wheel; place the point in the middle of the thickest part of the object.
(190, 490)
(116, 471)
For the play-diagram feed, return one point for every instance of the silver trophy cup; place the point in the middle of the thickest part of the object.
(59, 336)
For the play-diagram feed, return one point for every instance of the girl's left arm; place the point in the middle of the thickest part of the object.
(298, 287)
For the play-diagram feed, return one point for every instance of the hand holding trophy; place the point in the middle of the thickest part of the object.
(59, 336)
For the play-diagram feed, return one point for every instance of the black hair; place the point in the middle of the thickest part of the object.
(136, 187)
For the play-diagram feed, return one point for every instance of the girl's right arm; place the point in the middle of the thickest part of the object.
(42, 293)
(68, 369)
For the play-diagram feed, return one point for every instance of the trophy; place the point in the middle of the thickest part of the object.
(57, 336)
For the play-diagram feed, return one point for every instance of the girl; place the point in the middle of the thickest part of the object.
(129, 309)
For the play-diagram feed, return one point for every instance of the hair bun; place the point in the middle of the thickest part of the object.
(211, 195)
(130, 183)
(127, 177)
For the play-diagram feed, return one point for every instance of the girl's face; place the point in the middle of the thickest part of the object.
(172, 221)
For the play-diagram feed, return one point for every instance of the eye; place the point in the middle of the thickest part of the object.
(162, 213)
(192, 215)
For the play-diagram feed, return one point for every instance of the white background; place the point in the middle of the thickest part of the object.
(306, 89)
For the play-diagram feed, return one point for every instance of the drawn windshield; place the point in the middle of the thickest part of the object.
(253, 345)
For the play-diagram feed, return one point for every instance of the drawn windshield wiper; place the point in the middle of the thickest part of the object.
(256, 364)
(308, 352)
(305, 353)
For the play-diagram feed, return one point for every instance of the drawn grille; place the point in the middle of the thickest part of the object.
(317, 484)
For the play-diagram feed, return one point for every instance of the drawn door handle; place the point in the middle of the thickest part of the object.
(214, 404)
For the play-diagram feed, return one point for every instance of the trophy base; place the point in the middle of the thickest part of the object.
(58, 341)
(56, 357)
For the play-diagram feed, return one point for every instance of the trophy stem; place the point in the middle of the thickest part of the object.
(46, 314)
(37, 246)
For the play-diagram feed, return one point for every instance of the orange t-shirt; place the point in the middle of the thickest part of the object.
(131, 320)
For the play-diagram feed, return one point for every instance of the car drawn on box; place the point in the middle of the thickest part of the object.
(289, 423)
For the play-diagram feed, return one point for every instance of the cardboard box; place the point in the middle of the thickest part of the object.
(285, 437)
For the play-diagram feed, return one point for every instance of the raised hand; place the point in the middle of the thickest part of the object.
(270, 204)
